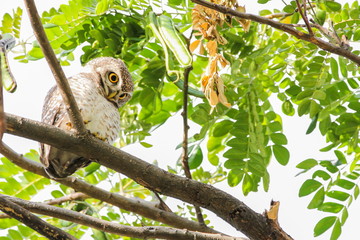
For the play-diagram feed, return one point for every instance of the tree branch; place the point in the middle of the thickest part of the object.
(67, 198)
(286, 28)
(185, 154)
(21, 214)
(61, 80)
(139, 207)
(138, 232)
(235, 212)
(304, 16)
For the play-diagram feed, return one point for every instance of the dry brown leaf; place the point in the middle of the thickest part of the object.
(223, 61)
(212, 66)
(221, 92)
(194, 45)
(204, 80)
(212, 48)
(202, 49)
(213, 99)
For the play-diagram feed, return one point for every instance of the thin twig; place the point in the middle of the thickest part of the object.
(185, 154)
(304, 16)
(23, 215)
(67, 198)
(339, 50)
(115, 228)
(143, 208)
(61, 80)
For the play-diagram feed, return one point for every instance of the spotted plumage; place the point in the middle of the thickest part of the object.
(103, 86)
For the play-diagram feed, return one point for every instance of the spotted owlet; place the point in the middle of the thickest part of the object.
(103, 86)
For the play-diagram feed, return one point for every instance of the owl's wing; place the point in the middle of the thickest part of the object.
(53, 113)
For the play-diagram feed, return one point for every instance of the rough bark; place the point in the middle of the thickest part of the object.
(235, 212)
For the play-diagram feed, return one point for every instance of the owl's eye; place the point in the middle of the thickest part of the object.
(122, 96)
(113, 77)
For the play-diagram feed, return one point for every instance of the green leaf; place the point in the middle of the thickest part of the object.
(213, 143)
(344, 216)
(248, 184)
(288, 108)
(334, 69)
(319, 95)
(281, 154)
(278, 138)
(331, 207)
(222, 128)
(321, 174)
(275, 126)
(346, 184)
(333, 6)
(91, 168)
(308, 187)
(341, 196)
(213, 159)
(233, 153)
(57, 194)
(195, 158)
(356, 191)
(312, 125)
(320, 17)
(341, 157)
(102, 7)
(234, 177)
(323, 225)
(318, 199)
(304, 107)
(146, 145)
(336, 232)
(36, 53)
(314, 109)
(343, 67)
(307, 164)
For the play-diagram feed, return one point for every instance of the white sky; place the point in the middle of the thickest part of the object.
(35, 79)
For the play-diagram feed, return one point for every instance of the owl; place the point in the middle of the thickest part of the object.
(100, 89)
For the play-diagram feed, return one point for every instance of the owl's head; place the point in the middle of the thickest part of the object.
(113, 79)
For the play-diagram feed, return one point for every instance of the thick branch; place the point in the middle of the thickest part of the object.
(286, 28)
(19, 213)
(138, 232)
(61, 81)
(139, 207)
(235, 212)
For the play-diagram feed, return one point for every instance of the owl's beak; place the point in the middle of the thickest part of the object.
(112, 95)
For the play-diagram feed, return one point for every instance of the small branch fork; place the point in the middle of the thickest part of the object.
(288, 28)
(86, 190)
(304, 16)
(20, 213)
(102, 225)
(59, 75)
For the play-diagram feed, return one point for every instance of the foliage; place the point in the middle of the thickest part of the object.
(258, 63)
